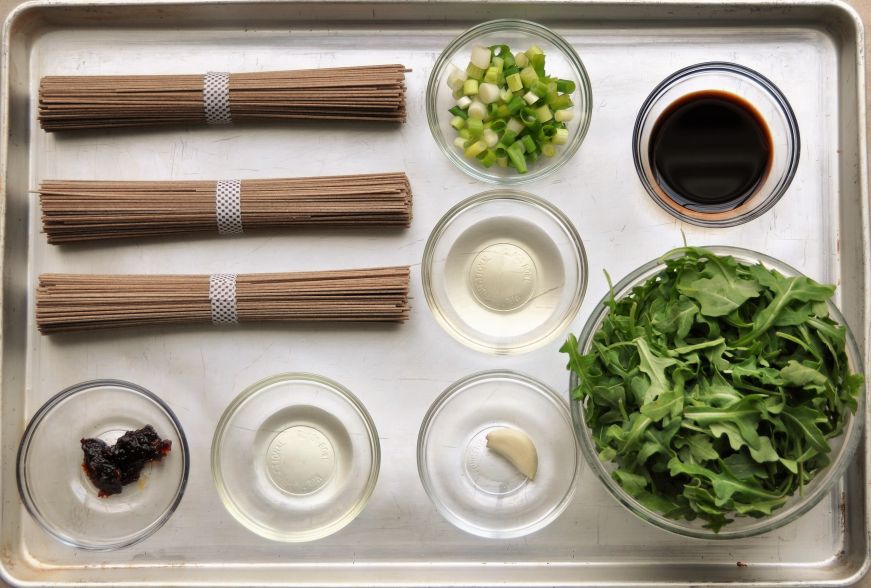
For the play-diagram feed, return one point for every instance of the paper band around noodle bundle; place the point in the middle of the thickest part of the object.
(216, 98)
(222, 296)
(228, 207)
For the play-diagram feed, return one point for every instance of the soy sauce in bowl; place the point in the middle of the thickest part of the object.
(710, 151)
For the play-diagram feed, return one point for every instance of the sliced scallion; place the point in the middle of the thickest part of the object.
(508, 111)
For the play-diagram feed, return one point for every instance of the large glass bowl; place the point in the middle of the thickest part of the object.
(843, 447)
(59, 495)
(561, 61)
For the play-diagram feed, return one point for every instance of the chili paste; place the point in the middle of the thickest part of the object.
(112, 467)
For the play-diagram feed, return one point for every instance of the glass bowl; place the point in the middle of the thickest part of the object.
(561, 61)
(57, 492)
(504, 272)
(843, 447)
(750, 87)
(479, 491)
(295, 457)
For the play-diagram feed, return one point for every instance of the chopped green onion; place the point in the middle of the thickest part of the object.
(514, 82)
(457, 111)
(537, 63)
(539, 89)
(488, 92)
(529, 97)
(475, 149)
(474, 72)
(529, 76)
(543, 113)
(475, 126)
(507, 59)
(529, 144)
(546, 133)
(502, 111)
(490, 137)
(561, 102)
(565, 86)
(515, 125)
(564, 115)
(515, 105)
(480, 57)
(500, 50)
(477, 109)
(518, 160)
(497, 125)
(456, 78)
(487, 158)
(508, 111)
(508, 137)
(528, 117)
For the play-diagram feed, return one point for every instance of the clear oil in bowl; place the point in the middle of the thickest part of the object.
(504, 277)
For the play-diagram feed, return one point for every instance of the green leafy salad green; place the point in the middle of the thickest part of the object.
(715, 386)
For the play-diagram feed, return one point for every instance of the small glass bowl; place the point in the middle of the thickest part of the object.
(57, 492)
(479, 491)
(295, 457)
(843, 447)
(504, 272)
(561, 61)
(770, 104)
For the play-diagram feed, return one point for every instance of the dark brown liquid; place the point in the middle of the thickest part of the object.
(710, 150)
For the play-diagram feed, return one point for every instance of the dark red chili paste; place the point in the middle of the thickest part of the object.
(112, 467)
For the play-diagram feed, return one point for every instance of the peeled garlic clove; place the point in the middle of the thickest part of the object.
(516, 447)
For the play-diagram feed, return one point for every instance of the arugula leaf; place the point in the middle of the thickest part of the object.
(654, 366)
(799, 374)
(717, 287)
(715, 387)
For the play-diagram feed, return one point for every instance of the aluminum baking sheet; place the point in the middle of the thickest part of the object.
(810, 49)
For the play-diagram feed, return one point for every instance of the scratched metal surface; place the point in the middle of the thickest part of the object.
(809, 49)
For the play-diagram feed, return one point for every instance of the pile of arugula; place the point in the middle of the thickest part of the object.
(715, 386)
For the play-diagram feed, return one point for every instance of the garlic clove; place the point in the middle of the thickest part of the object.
(516, 447)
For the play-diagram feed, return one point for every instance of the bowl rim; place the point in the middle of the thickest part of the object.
(584, 86)
(458, 387)
(526, 199)
(45, 410)
(255, 526)
(765, 85)
(833, 471)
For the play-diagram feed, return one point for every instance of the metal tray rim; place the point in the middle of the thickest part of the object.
(846, 10)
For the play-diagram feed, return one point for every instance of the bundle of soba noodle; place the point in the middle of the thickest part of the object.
(374, 93)
(94, 210)
(69, 302)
